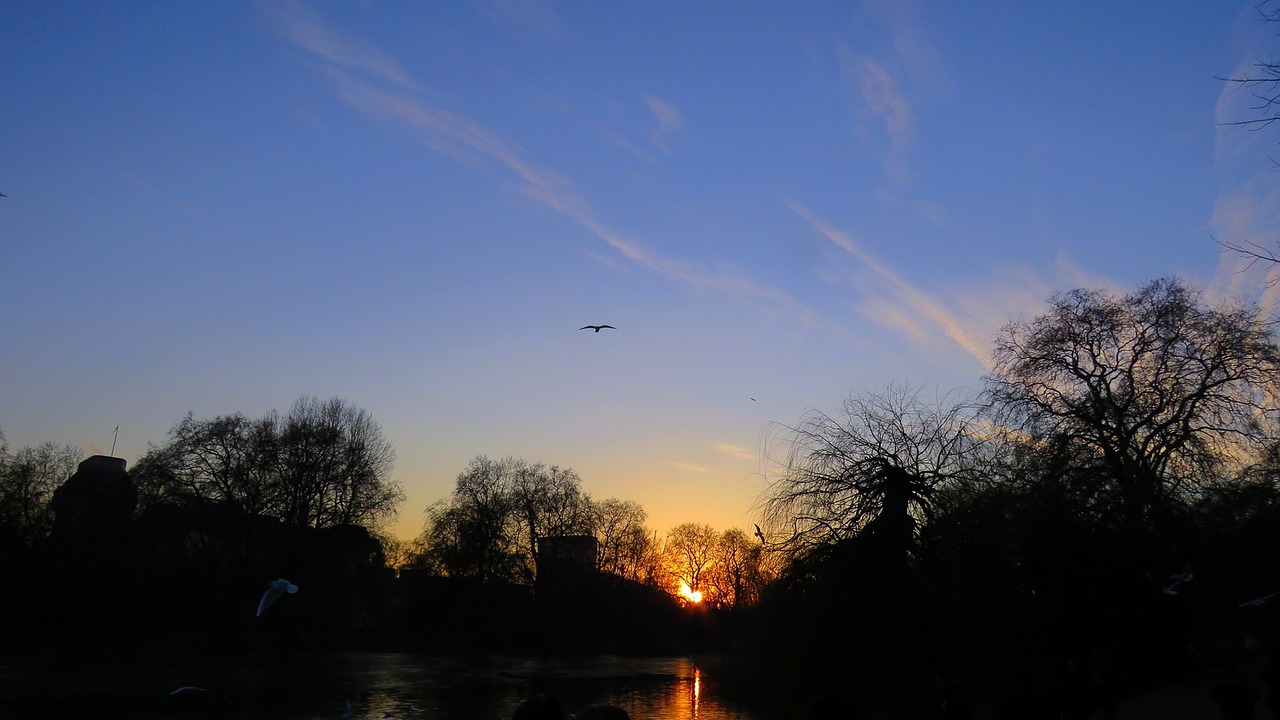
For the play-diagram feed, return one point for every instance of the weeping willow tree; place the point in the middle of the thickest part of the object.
(846, 509)
(874, 470)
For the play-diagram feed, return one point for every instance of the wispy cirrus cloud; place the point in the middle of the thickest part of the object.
(734, 451)
(884, 109)
(296, 23)
(537, 15)
(670, 122)
(895, 301)
(885, 72)
(469, 142)
(1247, 216)
(690, 467)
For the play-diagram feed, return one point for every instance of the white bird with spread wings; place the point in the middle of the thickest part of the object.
(275, 589)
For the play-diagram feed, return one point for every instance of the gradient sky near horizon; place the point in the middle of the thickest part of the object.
(222, 207)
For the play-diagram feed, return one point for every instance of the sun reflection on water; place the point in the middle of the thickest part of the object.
(697, 689)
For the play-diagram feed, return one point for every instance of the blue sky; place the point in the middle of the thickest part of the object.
(222, 207)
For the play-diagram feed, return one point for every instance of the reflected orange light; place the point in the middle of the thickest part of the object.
(688, 593)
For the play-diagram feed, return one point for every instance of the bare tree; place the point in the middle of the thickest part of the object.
(468, 541)
(546, 502)
(224, 459)
(333, 466)
(1159, 389)
(28, 479)
(738, 574)
(689, 551)
(324, 464)
(622, 538)
(472, 535)
(873, 469)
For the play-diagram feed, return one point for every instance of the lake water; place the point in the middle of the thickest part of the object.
(358, 686)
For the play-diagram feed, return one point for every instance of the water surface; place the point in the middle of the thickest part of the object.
(358, 686)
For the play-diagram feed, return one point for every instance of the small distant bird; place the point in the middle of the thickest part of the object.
(597, 328)
(3, 195)
(275, 589)
(759, 532)
(188, 688)
(1256, 602)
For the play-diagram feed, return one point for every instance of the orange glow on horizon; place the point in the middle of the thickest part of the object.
(688, 593)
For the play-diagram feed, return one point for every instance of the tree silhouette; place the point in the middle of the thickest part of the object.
(625, 545)
(324, 464)
(849, 506)
(472, 535)
(874, 469)
(739, 571)
(1154, 390)
(28, 479)
(333, 466)
(689, 551)
(227, 459)
(546, 501)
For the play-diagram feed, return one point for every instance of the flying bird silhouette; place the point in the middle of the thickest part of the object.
(597, 328)
(759, 532)
(275, 589)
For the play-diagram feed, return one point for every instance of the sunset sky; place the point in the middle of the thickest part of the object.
(221, 207)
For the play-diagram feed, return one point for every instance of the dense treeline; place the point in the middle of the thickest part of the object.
(1102, 513)
(226, 504)
(187, 540)
(323, 464)
(491, 530)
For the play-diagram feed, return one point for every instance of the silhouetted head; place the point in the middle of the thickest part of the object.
(602, 712)
(540, 707)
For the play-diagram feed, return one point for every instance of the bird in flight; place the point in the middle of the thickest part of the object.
(759, 532)
(597, 328)
(275, 589)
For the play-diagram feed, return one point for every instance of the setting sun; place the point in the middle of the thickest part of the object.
(688, 593)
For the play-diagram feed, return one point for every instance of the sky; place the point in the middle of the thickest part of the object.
(223, 207)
